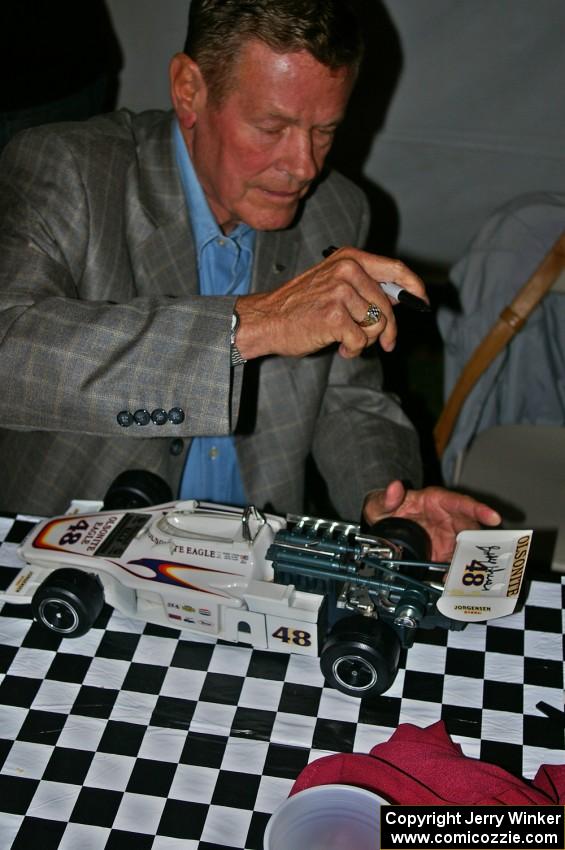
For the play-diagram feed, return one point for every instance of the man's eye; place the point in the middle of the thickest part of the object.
(323, 140)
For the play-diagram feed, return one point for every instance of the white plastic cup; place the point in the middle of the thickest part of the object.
(326, 817)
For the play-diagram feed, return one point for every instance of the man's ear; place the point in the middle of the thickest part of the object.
(188, 90)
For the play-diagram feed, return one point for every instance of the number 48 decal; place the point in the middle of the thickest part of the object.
(296, 636)
(73, 533)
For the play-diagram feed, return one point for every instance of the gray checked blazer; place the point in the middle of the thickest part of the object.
(100, 312)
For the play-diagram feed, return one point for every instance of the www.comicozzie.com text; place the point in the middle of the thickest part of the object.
(462, 827)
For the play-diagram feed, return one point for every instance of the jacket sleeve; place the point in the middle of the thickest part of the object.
(362, 439)
(85, 332)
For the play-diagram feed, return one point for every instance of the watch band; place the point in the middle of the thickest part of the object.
(236, 358)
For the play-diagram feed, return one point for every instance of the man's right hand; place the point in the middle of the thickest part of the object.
(324, 305)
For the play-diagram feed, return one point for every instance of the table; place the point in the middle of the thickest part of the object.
(137, 736)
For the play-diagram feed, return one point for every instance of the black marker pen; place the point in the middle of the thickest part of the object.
(394, 290)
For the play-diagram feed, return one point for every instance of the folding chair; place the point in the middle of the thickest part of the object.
(518, 466)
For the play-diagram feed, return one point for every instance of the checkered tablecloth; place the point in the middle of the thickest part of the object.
(137, 736)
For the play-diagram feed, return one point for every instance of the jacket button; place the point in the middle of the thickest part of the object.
(142, 417)
(176, 415)
(176, 447)
(159, 416)
(124, 418)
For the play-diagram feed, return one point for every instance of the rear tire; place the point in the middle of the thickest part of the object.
(360, 657)
(415, 542)
(68, 602)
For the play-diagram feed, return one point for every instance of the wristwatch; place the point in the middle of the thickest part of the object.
(236, 358)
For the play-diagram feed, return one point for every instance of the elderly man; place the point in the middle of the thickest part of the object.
(165, 304)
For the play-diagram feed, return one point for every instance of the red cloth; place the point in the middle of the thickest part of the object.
(423, 767)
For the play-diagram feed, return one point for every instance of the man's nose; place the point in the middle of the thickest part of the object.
(299, 157)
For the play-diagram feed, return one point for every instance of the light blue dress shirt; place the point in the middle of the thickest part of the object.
(224, 268)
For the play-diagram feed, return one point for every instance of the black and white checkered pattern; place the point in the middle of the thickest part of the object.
(135, 736)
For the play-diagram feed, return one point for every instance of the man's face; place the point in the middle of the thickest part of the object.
(258, 151)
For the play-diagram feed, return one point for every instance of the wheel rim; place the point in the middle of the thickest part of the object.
(354, 673)
(58, 615)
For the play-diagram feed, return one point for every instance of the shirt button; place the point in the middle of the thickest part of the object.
(213, 453)
(142, 417)
(221, 242)
(176, 447)
(176, 415)
(124, 418)
(159, 416)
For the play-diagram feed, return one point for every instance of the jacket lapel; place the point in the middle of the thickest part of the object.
(276, 255)
(165, 253)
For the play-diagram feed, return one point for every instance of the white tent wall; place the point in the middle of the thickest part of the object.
(477, 115)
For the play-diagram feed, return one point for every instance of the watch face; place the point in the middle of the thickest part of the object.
(234, 326)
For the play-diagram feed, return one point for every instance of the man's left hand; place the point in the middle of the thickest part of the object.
(443, 513)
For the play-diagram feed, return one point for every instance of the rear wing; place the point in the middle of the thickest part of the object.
(485, 574)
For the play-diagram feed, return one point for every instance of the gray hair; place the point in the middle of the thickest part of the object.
(217, 29)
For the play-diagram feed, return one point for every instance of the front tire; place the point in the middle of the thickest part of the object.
(136, 488)
(360, 657)
(68, 602)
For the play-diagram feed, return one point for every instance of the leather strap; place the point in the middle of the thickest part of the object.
(510, 321)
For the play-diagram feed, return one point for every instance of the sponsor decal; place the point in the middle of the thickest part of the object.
(22, 580)
(518, 565)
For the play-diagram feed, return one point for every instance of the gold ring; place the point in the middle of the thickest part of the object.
(372, 316)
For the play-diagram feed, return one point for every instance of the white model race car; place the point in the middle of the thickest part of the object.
(296, 584)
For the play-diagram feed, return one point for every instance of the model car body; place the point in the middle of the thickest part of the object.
(297, 584)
